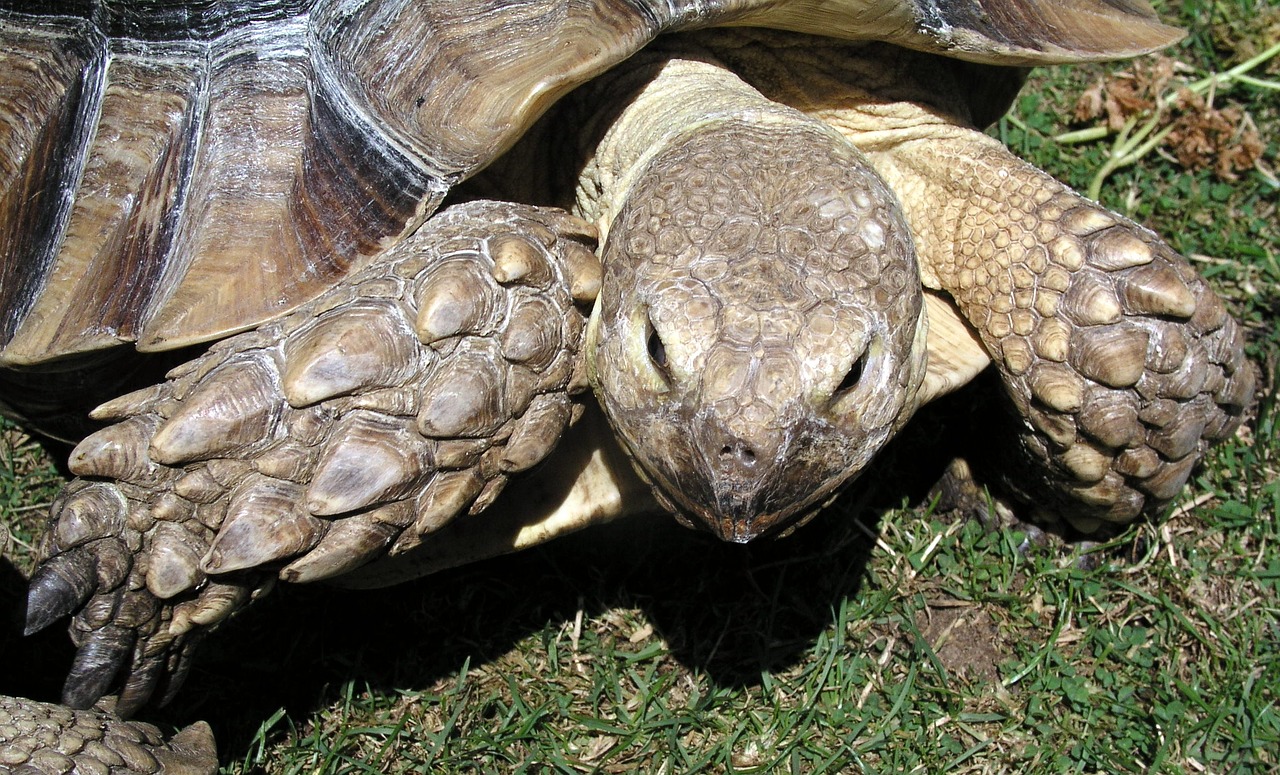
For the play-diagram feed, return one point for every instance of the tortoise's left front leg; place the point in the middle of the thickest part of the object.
(1122, 365)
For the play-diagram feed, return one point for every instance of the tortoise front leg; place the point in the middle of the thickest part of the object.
(1122, 365)
(347, 431)
(36, 737)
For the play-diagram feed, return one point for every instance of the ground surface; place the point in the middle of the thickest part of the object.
(882, 638)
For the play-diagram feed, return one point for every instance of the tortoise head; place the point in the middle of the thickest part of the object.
(758, 336)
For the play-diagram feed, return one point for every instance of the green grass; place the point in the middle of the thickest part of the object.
(878, 639)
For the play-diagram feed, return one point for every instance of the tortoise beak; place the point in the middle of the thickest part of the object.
(736, 486)
(740, 514)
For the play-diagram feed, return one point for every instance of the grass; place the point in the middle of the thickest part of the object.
(881, 638)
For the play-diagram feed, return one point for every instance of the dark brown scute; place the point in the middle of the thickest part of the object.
(161, 20)
(49, 72)
(210, 180)
(458, 81)
(118, 236)
(281, 204)
(201, 183)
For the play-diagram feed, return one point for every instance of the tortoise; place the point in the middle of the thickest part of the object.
(800, 241)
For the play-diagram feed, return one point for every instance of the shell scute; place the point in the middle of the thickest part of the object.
(45, 71)
(193, 177)
(240, 158)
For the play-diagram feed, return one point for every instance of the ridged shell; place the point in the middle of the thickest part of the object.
(320, 134)
(163, 239)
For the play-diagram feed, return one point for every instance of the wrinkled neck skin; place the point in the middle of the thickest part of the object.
(759, 334)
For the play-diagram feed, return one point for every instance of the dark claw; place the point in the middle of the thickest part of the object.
(60, 586)
(1090, 555)
(140, 685)
(179, 668)
(1035, 537)
(96, 665)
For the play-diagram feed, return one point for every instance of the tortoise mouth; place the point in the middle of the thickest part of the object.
(740, 509)
(738, 530)
(743, 526)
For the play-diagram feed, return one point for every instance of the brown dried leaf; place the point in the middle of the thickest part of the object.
(1203, 136)
(1126, 93)
(1206, 136)
(1089, 105)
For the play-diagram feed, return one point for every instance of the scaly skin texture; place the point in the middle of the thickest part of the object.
(41, 739)
(1121, 365)
(347, 431)
(759, 335)
(756, 339)
(1121, 362)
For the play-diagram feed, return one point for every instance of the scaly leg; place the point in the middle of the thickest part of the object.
(37, 737)
(347, 431)
(1122, 365)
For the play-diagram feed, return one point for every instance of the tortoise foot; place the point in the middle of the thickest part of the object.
(125, 559)
(37, 738)
(1122, 365)
(346, 431)
(959, 492)
(1126, 370)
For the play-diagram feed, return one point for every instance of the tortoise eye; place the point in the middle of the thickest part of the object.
(851, 378)
(657, 350)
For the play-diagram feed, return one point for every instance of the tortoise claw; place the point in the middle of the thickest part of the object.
(140, 685)
(96, 665)
(179, 667)
(237, 470)
(60, 586)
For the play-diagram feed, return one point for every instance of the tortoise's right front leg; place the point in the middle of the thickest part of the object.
(349, 430)
(37, 738)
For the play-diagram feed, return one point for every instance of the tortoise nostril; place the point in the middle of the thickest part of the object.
(738, 452)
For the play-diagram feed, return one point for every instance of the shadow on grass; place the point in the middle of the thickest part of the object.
(728, 611)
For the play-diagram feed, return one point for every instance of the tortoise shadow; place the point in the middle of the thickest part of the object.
(730, 612)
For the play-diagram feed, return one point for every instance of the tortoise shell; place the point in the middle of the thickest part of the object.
(173, 172)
